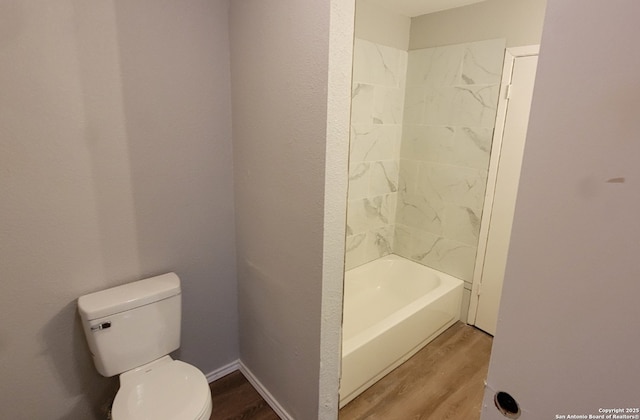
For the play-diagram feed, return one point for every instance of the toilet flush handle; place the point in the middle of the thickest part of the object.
(101, 326)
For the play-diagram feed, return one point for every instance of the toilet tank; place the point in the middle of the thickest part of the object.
(133, 324)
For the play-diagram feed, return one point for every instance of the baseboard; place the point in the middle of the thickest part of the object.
(281, 412)
(223, 371)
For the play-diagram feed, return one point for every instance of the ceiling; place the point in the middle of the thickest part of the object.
(414, 8)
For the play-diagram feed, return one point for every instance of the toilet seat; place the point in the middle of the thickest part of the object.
(163, 389)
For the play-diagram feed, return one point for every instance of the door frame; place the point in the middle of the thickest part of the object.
(511, 54)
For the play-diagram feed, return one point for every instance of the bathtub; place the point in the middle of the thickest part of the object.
(392, 308)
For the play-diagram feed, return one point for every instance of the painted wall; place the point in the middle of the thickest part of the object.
(567, 337)
(520, 22)
(378, 91)
(280, 70)
(382, 26)
(341, 30)
(115, 157)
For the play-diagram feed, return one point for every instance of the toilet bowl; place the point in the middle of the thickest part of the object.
(131, 330)
(163, 389)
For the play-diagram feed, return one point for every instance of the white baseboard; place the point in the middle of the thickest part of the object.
(223, 371)
(281, 412)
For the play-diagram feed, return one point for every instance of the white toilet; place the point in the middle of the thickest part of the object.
(131, 329)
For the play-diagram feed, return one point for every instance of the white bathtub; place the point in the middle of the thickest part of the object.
(392, 308)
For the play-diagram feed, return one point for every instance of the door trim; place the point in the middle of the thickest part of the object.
(501, 115)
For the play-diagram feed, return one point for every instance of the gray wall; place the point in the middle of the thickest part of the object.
(381, 26)
(520, 22)
(115, 164)
(567, 337)
(279, 57)
(341, 30)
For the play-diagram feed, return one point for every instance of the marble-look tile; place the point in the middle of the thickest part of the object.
(412, 141)
(355, 250)
(408, 176)
(414, 102)
(417, 65)
(472, 148)
(426, 143)
(457, 259)
(370, 213)
(468, 106)
(377, 64)
(482, 63)
(402, 241)
(440, 105)
(460, 146)
(359, 178)
(461, 224)
(438, 169)
(365, 247)
(474, 106)
(402, 69)
(387, 105)
(418, 211)
(452, 184)
(371, 142)
(362, 103)
(379, 242)
(384, 177)
(424, 247)
(449, 256)
(446, 65)
(440, 66)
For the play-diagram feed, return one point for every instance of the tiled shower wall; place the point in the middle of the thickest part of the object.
(379, 74)
(421, 130)
(449, 115)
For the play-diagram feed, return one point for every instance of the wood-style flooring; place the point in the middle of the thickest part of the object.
(443, 381)
(235, 399)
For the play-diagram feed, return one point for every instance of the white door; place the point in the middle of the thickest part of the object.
(506, 172)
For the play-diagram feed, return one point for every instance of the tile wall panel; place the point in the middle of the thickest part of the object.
(421, 130)
(449, 115)
(379, 74)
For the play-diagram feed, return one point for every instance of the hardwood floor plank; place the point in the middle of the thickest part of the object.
(235, 399)
(444, 380)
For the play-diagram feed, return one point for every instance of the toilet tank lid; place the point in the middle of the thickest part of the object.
(128, 296)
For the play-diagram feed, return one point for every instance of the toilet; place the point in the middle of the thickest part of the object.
(131, 329)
